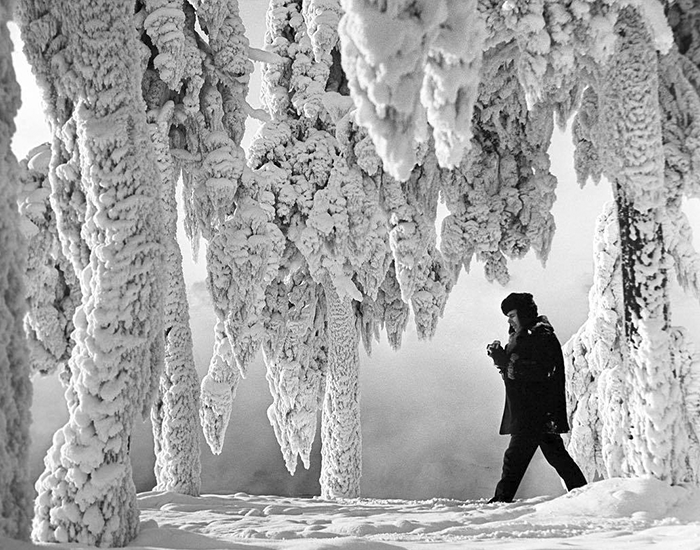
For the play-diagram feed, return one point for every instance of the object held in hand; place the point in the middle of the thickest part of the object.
(496, 344)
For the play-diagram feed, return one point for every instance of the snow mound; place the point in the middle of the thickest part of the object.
(642, 498)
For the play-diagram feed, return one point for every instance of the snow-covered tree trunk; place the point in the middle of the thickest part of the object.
(600, 388)
(174, 412)
(634, 162)
(15, 385)
(340, 424)
(86, 493)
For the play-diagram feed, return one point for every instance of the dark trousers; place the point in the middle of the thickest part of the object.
(518, 455)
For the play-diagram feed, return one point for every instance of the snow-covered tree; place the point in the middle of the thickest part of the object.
(86, 56)
(636, 127)
(299, 157)
(344, 219)
(596, 385)
(15, 385)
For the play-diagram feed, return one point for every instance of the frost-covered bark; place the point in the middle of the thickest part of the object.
(340, 425)
(15, 385)
(409, 64)
(634, 162)
(88, 57)
(53, 292)
(599, 385)
(174, 412)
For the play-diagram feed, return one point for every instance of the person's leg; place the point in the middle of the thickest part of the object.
(515, 461)
(556, 454)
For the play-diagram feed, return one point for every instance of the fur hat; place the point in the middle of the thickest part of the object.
(523, 303)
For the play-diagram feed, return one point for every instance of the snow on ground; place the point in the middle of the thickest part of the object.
(620, 514)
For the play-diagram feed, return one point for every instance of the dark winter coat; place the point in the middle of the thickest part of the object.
(532, 366)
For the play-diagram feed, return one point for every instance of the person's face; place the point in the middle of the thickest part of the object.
(514, 320)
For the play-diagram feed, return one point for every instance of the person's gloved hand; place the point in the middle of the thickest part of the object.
(496, 352)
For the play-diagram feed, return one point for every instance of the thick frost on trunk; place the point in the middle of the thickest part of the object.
(53, 292)
(86, 493)
(600, 388)
(634, 161)
(15, 385)
(341, 452)
(295, 355)
(174, 412)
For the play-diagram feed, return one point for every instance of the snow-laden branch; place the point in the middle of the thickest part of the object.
(412, 208)
(52, 288)
(243, 259)
(218, 388)
(387, 312)
(409, 64)
(295, 355)
(500, 198)
(165, 23)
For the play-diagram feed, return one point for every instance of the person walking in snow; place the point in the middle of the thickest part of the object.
(532, 367)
